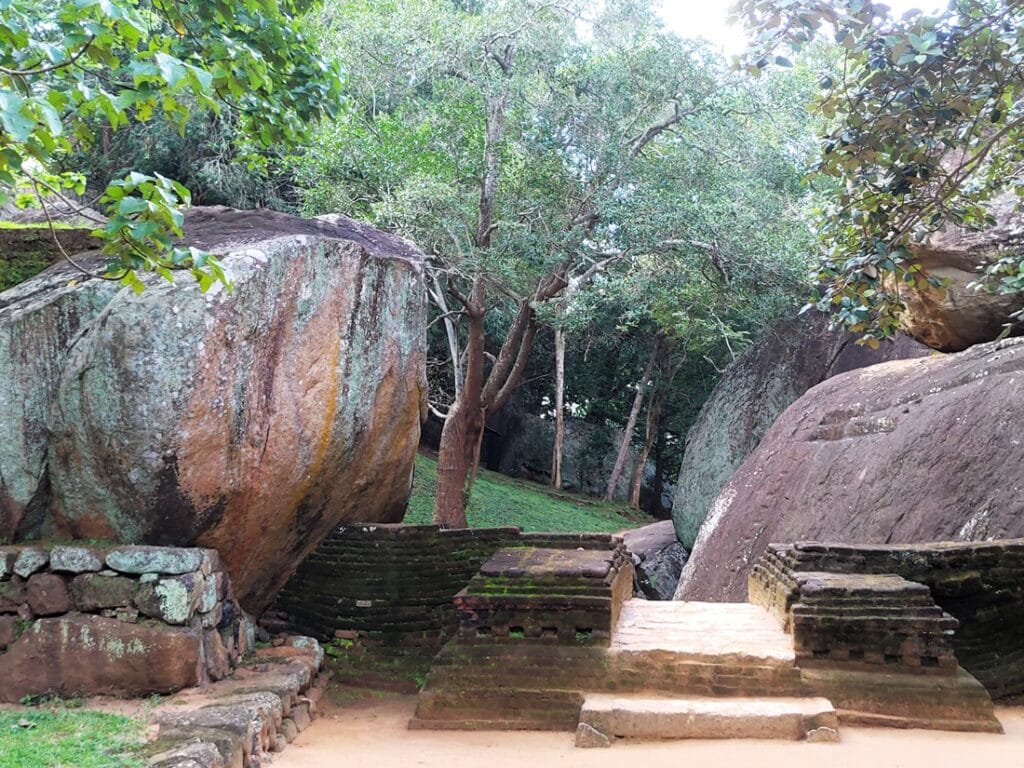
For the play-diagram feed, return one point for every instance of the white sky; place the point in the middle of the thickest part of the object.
(706, 18)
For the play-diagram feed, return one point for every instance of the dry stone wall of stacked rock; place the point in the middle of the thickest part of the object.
(977, 589)
(127, 620)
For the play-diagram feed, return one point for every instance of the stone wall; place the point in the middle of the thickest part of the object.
(395, 584)
(126, 620)
(980, 584)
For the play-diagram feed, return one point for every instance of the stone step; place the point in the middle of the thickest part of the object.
(605, 717)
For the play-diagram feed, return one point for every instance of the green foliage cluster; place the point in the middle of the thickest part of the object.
(637, 167)
(925, 128)
(498, 500)
(70, 71)
(62, 736)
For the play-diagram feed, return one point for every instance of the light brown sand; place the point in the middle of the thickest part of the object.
(374, 735)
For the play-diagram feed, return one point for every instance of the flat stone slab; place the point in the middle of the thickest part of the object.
(703, 632)
(831, 585)
(638, 717)
(542, 563)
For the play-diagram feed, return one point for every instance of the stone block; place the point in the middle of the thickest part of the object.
(80, 654)
(300, 715)
(8, 556)
(289, 730)
(75, 560)
(93, 592)
(8, 631)
(172, 599)
(218, 662)
(171, 561)
(30, 560)
(12, 595)
(48, 594)
(207, 599)
(588, 737)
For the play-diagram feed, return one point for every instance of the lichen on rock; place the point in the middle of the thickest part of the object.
(250, 421)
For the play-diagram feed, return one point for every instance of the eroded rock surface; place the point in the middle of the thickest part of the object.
(252, 422)
(910, 451)
(955, 317)
(658, 559)
(753, 392)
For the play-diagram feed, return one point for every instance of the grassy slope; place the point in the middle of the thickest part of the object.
(69, 738)
(499, 500)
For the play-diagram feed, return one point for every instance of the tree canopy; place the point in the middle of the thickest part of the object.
(565, 168)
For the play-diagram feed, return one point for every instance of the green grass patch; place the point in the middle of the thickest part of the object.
(498, 500)
(69, 738)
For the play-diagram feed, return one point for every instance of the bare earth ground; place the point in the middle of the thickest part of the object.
(373, 733)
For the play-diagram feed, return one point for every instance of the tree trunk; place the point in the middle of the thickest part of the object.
(650, 433)
(627, 436)
(463, 429)
(556, 457)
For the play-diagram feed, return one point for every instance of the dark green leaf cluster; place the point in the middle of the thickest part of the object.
(926, 125)
(70, 68)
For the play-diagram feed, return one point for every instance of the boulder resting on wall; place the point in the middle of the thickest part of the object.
(251, 422)
(769, 376)
(910, 451)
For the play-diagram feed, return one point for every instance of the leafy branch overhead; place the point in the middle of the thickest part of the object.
(925, 123)
(70, 70)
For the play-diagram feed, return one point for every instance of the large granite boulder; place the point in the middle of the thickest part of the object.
(911, 451)
(251, 422)
(954, 317)
(753, 392)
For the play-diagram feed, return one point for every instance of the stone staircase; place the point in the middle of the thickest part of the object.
(604, 717)
(549, 640)
(701, 670)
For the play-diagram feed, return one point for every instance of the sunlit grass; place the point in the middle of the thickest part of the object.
(498, 500)
(64, 737)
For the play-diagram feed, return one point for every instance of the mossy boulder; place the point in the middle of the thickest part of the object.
(252, 421)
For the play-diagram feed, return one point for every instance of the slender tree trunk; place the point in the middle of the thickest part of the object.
(464, 426)
(627, 436)
(437, 294)
(650, 434)
(556, 457)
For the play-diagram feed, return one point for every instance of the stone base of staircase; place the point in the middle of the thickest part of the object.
(605, 718)
(948, 703)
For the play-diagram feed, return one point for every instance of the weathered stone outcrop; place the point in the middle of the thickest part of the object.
(658, 559)
(903, 452)
(251, 422)
(954, 317)
(753, 392)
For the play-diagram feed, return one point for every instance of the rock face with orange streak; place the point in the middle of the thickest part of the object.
(252, 422)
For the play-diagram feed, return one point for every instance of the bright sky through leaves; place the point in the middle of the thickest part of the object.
(707, 18)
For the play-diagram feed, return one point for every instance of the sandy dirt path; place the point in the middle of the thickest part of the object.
(374, 735)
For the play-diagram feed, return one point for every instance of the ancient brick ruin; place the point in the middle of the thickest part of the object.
(977, 586)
